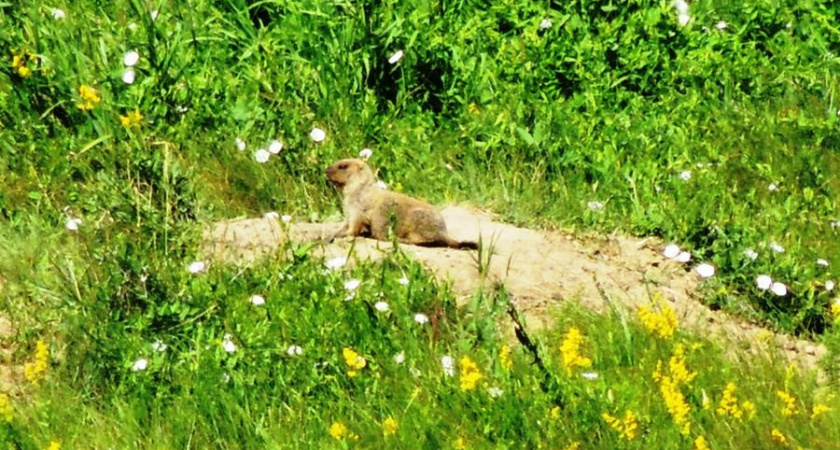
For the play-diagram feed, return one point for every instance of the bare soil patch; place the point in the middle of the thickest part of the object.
(539, 268)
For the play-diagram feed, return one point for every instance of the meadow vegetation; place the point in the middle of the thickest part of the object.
(126, 126)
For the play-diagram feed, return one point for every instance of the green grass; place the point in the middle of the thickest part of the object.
(611, 103)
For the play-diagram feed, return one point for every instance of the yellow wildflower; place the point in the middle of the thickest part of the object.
(835, 311)
(460, 444)
(570, 349)
(355, 362)
(679, 372)
(473, 108)
(504, 357)
(54, 445)
(389, 427)
(659, 319)
(818, 409)
(749, 408)
(131, 119)
(469, 374)
(789, 401)
(700, 443)
(778, 437)
(676, 404)
(626, 428)
(36, 370)
(6, 409)
(573, 446)
(555, 412)
(729, 403)
(338, 430)
(90, 98)
(19, 63)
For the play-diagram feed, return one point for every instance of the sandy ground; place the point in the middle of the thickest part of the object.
(540, 270)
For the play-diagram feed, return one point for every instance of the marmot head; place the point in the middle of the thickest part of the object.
(348, 173)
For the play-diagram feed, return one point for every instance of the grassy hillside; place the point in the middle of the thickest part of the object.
(712, 125)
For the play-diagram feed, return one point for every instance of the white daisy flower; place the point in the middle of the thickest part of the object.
(140, 365)
(240, 144)
(399, 358)
(681, 6)
(546, 24)
(751, 254)
(227, 344)
(57, 13)
(705, 270)
(350, 297)
(822, 262)
(595, 205)
(336, 263)
(779, 289)
(381, 306)
(683, 257)
(262, 155)
(159, 346)
(275, 147)
(772, 187)
(129, 75)
(257, 300)
(294, 350)
(197, 267)
(683, 19)
(829, 285)
(590, 375)
(154, 14)
(671, 251)
(272, 215)
(685, 175)
(777, 248)
(835, 224)
(381, 185)
(421, 318)
(404, 280)
(495, 392)
(132, 26)
(448, 364)
(352, 285)
(721, 25)
(73, 223)
(365, 153)
(763, 282)
(131, 58)
(286, 218)
(317, 134)
(396, 57)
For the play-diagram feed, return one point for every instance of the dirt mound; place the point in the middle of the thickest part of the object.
(538, 268)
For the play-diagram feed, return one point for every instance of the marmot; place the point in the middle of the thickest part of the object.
(368, 209)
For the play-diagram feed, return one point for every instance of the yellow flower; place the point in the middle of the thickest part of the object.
(36, 370)
(573, 446)
(6, 409)
(700, 443)
(469, 374)
(835, 311)
(729, 403)
(54, 445)
(19, 63)
(789, 401)
(504, 357)
(679, 372)
(818, 409)
(339, 431)
(90, 98)
(473, 108)
(460, 443)
(626, 428)
(570, 350)
(555, 412)
(355, 362)
(749, 408)
(659, 319)
(778, 437)
(676, 404)
(389, 427)
(131, 119)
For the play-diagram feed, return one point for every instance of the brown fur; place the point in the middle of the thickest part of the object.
(368, 210)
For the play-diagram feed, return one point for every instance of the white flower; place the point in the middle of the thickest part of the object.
(399, 358)
(404, 280)
(545, 24)
(197, 267)
(590, 375)
(154, 14)
(721, 25)
(132, 26)
(275, 147)
(129, 75)
(448, 364)
(763, 282)
(272, 215)
(772, 187)
(317, 134)
(381, 185)
(159, 346)
(705, 270)
(240, 144)
(685, 175)
(351, 285)
(131, 58)
(351, 296)
(421, 318)
(227, 344)
(779, 289)
(751, 254)
(415, 372)
(381, 306)
(294, 350)
(683, 257)
(395, 57)
(226, 378)
(788, 25)
(681, 6)
(822, 262)
(671, 251)
(336, 263)
(181, 109)
(495, 392)
(73, 223)
(140, 365)
(449, 167)
(262, 155)
(595, 205)
(365, 153)
(57, 13)
(683, 19)
(257, 300)
(829, 285)
(835, 224)
(777, 248)
(286, 218)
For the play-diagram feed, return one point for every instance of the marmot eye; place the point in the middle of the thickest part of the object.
(342, 166)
